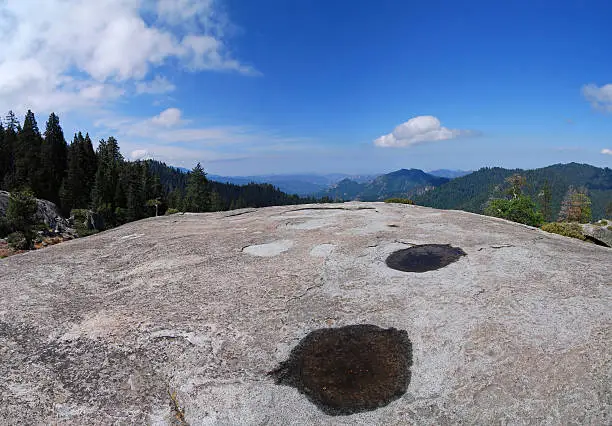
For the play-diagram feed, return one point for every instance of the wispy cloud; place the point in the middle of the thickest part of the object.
(606, 151)
(170, 117)
(158, 86)
(170, 137)
(70, 54)
(600, 97)
(417, 130)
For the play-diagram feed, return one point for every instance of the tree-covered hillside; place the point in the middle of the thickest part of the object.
(471, 192)
(77, 177)
(401, 183)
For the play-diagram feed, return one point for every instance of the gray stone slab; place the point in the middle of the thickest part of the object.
(172, 314)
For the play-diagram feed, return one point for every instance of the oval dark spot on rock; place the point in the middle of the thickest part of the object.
(423, 258)
(349, 369)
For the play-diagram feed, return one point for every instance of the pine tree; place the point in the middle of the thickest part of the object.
(28, 172)
(54, 159)
(90, 163)
(21, 213)
(11, 131)
(546, 197)
(136, 190)
(4, 155)
(215, 203)
(108, 193)
(516, 182)
(74, 192)
(175, 199)
(576, 206)
(197, 192)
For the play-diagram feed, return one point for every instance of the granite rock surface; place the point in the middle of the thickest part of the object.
(181, 318)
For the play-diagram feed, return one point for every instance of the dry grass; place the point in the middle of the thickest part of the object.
(179, 413)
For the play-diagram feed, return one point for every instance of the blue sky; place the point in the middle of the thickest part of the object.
(278, 86)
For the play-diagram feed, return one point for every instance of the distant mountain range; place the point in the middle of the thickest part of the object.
(444, 189)
(348, 187)
(300, 184)
(401, 183)
(471, 192)
(451, 174)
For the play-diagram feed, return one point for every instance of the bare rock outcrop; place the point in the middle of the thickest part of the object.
(216, 319)
(599, 234)
(47, 211)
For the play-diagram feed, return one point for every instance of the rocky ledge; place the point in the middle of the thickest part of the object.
(294, 315)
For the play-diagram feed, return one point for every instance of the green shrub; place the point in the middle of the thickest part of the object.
(40, 227)
(572, 230)
(85, 232)
(521, 209)
(399, 200)
(18, 241)
(171, 211)
(121, 215)
(609, 227)
(21, 210)
(80, 215)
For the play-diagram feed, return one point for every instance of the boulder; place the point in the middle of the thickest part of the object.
(47, 212)
(292, 315)
(599, 234)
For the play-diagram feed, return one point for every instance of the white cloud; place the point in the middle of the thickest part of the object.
(420, 129)
(139, 154)
(168, 118)
(606, 151)
(179, 156)
(66, 54)
(158, 86)
(599, 97)
(169, 127)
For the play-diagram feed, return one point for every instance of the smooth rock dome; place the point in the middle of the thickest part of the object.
(184, 316)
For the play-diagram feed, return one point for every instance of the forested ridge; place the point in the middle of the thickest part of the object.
(77, 176)
(472, 192)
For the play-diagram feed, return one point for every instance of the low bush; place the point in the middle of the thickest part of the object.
(85, 232)
(521, 209)
(80, 215)
(399, 200)
(572, 230)
(171, 211)
(18, 241)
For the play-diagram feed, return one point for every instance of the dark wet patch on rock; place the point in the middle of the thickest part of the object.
(423, 258)
(350, 369)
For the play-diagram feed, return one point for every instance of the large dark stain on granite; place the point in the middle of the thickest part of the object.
(349, 369)
(423, 258)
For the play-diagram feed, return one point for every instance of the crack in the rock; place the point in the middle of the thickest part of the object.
(499, 246)
(332, 208)
(478, 293)
(239, 214)
(404, 242)
(299, 296)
